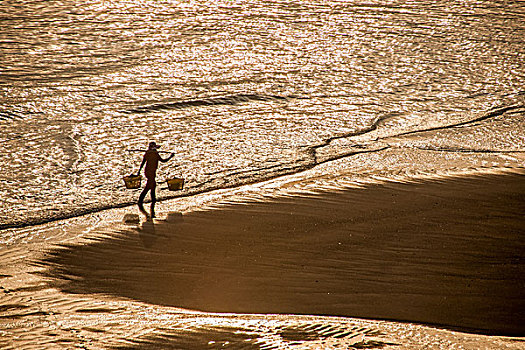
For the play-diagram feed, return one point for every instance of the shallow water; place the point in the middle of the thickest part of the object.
(245, 91)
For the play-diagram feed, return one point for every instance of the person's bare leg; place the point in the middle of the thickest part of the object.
(143, 195)
(149, 186)
(153, 200)
(143, 211)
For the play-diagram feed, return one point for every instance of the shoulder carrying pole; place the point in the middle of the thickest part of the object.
(144, 151)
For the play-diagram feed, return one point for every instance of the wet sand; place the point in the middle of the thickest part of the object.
(445, 252)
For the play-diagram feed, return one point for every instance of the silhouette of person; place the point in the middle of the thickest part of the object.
(151, 160)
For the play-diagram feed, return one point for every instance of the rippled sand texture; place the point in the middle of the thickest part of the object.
(445, 252)
(245, 91)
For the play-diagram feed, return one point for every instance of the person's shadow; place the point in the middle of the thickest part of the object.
(147, 233)
(147, 229)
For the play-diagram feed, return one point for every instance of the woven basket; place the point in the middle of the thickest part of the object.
(175, 184)
(132, 181)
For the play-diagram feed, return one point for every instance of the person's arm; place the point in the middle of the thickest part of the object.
(165, 160)
(141, 165)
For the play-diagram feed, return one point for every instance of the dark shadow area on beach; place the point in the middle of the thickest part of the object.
(448, 252)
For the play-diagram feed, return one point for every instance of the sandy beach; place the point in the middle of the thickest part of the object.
(447, 252)
(422, 264)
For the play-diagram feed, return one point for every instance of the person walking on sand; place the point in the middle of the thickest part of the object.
(151, 160)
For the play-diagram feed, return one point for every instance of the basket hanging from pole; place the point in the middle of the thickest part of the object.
(132, 181)
(175, 184)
